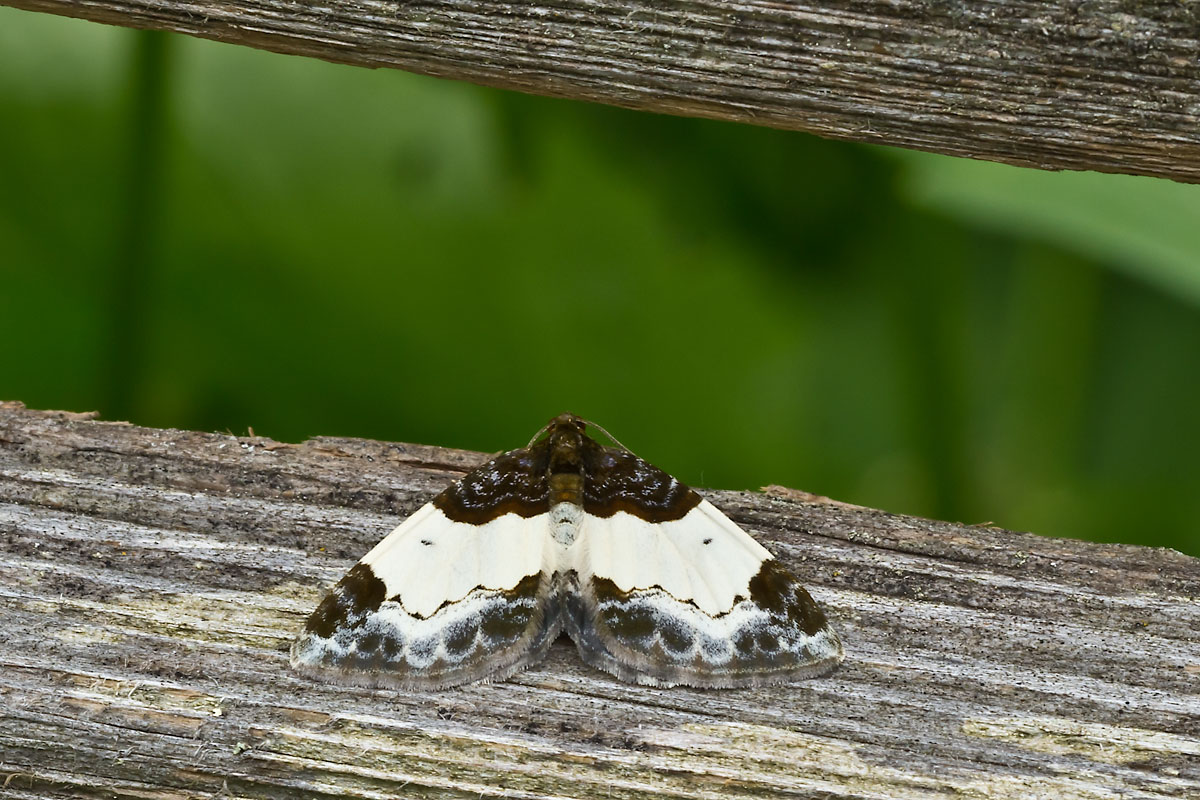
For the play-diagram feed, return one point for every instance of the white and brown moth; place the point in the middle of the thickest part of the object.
(651, 581)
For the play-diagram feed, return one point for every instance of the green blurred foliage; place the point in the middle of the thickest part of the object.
(202, 236)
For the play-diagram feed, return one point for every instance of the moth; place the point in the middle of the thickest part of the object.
(652, 582)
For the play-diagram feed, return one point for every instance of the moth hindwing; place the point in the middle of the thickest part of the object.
(652, 582)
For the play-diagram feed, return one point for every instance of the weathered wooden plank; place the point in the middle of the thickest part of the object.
(1108, 85)
(150, 581)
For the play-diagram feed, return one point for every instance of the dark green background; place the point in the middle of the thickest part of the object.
(209, 237)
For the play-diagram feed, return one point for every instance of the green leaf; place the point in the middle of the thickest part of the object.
(1148, 228)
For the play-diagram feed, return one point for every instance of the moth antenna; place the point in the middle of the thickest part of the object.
(611, 438)
(538, 435)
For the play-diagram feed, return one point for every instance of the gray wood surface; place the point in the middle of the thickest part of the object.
(150, 581)
(1109, 85)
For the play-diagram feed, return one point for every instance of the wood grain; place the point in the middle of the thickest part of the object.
(1108, 85)
(150, 581)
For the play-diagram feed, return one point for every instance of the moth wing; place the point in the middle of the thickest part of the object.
(675, 593)
(463, 590)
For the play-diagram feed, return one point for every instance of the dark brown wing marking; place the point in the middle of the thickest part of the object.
(777, 591)
(512, 482)
(617, 480)
(777, 634)
(359, 636)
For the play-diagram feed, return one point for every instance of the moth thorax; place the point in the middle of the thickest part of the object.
(564, 522)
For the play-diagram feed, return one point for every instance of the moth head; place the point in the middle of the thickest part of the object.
(563, 423)
(569, 421)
